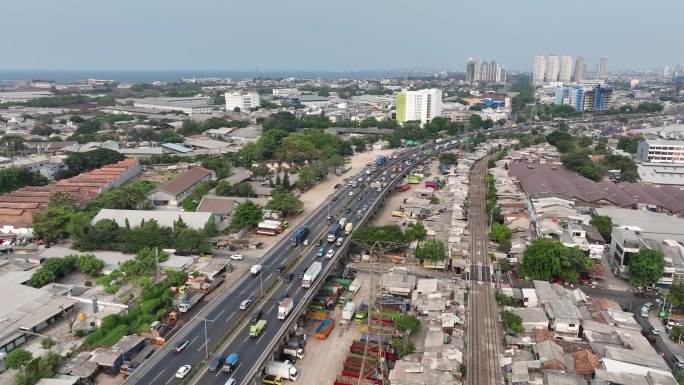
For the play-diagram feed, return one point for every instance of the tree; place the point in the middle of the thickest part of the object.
(18, 358)
(416, 231)
(558, 136)
(646, 267)
(236, 109)
(286, 181)
(112, 290)
(89, 264)
(191, 239)
(504, 265)
(286, 202)
(104, 280)
(210, 229)
(47, 343)
(545, 259)
(447, 158)
(491, 163)
(79, 225)
(512, 320)
(504, 246)
(604, 225)
(432, 249)
(499, 232)
(369, 235)
(223, 188)
(52, 224)
(246, 215)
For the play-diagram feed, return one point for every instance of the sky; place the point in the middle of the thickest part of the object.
(335, 35)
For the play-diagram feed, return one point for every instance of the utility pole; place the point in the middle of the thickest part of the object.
(206, 339)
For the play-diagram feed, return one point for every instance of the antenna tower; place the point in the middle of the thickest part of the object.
(376, 325)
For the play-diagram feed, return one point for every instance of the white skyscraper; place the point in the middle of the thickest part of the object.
(552, 68)
(423, 105)
(539, 69)
(602, 67)
(565, 73)
(580, 69)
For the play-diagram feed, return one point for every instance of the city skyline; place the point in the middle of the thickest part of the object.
(114, 37)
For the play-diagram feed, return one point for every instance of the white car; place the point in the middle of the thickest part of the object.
(238, 257)
(330, 253)
(351, 193)
(183, 371)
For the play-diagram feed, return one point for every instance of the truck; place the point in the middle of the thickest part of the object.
(381, 160)
(359, 214)
(372, 338)
(294, 349)
(256, 329)
(208, 287)
(231, 363)
(299, 235)
(312, 274)
(334, 231)
(282, 369)
(270, 227)
(355, 285)
(185, 306)
(403, 187)
(432, 183)
(359, 347)
(361, 312)
(285, 308)
(368, 171)
(349, 311)
(255, 270)
(343, 221)
(348, 228)
(397, 214)
(394, 168)
(376, 184)
(325, 328)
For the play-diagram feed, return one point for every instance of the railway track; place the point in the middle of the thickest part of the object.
(483, 337)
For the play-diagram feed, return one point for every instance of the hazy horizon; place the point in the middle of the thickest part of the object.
(310, 36)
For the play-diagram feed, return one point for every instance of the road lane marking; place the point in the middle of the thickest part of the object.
(269, 276)
(170, 379)
(155, 379)
(262, 336)
(201, 346)
(269, 310)
(242, 292)
(219, 314)
(193, 340)
(229, 317)
(246, 338)
(283, 262)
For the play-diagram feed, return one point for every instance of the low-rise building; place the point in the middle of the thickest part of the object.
(173, 192)
(166, 218)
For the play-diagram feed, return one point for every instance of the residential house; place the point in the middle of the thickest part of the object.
(173, 192)
(220, 207)
(551, 356)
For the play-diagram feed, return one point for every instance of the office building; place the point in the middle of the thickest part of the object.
(565, 73)
(478, 71)
(583, 98)
(242, 100)
(539, 71)
(422, 105)
(580, 69)
(679, 84)
(602, 68)
(552, 68)
(660, 151)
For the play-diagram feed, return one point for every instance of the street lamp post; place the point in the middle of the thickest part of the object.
(206, 339)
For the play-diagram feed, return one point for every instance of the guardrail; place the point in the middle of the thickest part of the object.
(314, 289)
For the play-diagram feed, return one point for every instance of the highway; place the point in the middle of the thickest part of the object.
(223, 312)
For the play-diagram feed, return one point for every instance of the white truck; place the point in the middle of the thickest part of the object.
(368, 171)
(185, 306)
(285, 308)
(343, 221)
(294, 349)
(348, 311)
(355, 286)
(255, 270)
(282, 369)
(311, 275)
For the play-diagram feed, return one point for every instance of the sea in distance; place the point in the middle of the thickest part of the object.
(7, 77)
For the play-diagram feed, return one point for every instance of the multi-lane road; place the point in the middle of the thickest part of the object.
(224, 311)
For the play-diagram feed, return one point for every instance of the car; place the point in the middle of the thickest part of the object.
(359, 199)
(330, 253)
(347, 210)
(282, 298)
(245, 304)
(670, 325)
(301, 273)
(334, 199)
(306, 242)
(321, 252)
(256, 316)
(379, 189)
(280, 269)
(368, 179)
(653, 330)
(231, 381)
(364, 208)
(180, 346)
(183, 371)
(364, 192)
(319, 242)
(288, 277)
(216, 363)
(351, 193)
(585, 279)
(330, 218)
(384, 173)
(678, 361)
(238, 257)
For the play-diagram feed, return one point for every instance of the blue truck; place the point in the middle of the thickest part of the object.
(335, 230)
(299, 235)
(381, 160)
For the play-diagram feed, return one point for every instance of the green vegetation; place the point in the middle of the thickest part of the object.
(493, 211)
(512, 321)
(14, 178)
(628, 144)
(545, 259)
(56, 101)
(17, 358)
(54, 268)
(604, 225)
(416, 232)
(284, 201)
(503, 299)
(385, 235)
(246, 215)
(432, 250)
(646, 267)
(408, 323)
(80, 162)
(398, 345)
(499, 233)
(190, 127)
(447, 158)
